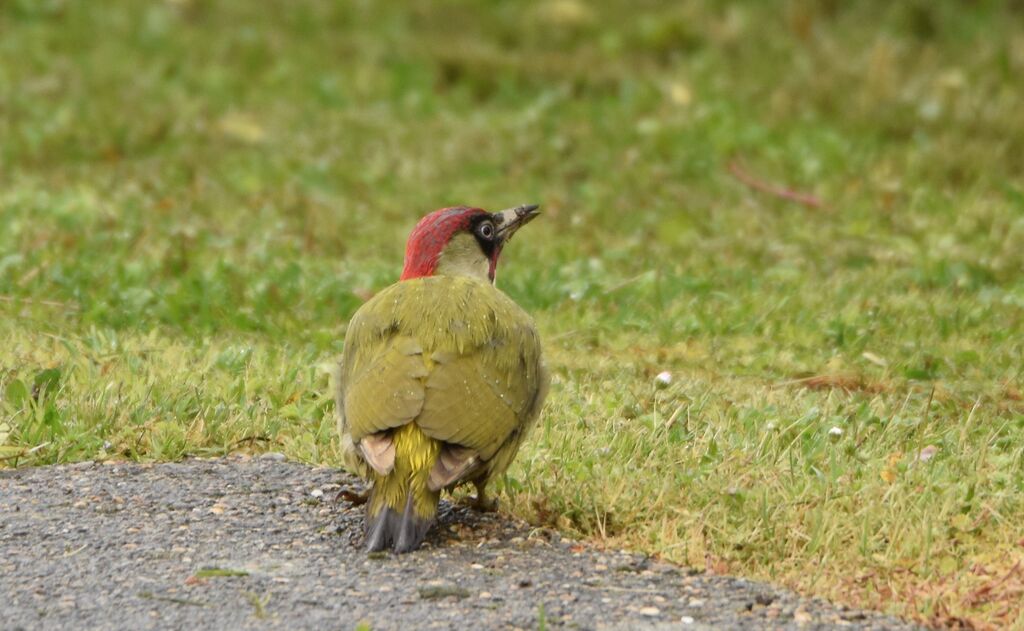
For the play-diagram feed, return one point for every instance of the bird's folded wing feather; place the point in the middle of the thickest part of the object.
(471, 402)
(386, 389)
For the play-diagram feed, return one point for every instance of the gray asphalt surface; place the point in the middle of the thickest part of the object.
(262, 543)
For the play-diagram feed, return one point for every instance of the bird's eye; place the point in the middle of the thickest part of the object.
(486, 230)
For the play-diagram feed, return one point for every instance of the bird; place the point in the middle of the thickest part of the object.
(441, 377)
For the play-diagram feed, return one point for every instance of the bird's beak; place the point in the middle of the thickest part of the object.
(511, 219)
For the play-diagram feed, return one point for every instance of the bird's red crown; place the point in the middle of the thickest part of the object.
(431, 235)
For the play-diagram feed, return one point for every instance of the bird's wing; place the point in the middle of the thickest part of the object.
(473, 400)
(501, 460)
(386, 391)
(380, 384)
(483, 398)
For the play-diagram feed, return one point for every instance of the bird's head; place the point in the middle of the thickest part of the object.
(462, 241)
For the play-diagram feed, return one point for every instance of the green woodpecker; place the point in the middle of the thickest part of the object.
(441, 376)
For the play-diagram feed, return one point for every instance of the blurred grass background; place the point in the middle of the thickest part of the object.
(195, 195)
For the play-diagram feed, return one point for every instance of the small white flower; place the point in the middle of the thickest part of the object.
(664, 378)
(835, 431)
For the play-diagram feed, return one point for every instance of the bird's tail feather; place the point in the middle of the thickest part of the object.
(402, 532)
(401, 507)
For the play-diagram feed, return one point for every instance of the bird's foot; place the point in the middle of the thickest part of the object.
(482, 502)
(352, 497)
(485, 504)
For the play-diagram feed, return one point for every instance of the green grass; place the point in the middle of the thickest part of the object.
(195, 195)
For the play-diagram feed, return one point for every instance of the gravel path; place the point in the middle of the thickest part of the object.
(261, 543)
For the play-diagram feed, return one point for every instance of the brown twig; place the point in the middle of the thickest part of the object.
(743, 176)
(848, 383)
(14, 456)
(25, 452)
(978, 595)
(249, 439)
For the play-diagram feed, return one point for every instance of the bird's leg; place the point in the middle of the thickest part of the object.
(481, 502)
